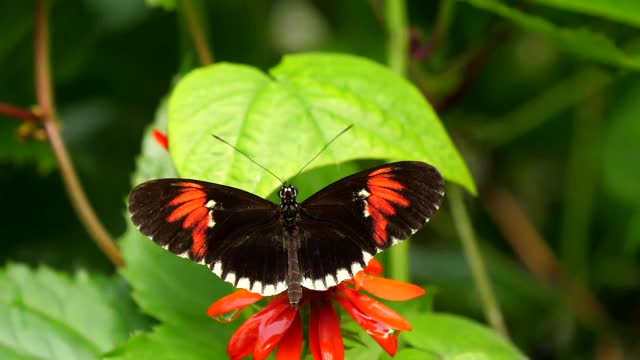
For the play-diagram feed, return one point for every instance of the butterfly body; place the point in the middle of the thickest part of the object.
(268, 248)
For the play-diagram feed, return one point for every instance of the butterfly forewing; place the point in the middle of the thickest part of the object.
(237, 234)
(349, 221)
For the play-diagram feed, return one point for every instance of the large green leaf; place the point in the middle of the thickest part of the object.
(48, 315)
(282, 119)
(581, 42)
(168, 342)
(626, 11)
(445, 337)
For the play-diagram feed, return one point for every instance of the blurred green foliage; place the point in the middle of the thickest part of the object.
(542, 99)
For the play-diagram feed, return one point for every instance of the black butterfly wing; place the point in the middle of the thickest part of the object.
(235, 233)
(343, 225)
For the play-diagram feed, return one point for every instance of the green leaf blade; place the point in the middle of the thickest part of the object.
(624, 11)
(50, 315)
(579, 41)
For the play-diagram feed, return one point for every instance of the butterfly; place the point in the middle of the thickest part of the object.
(268, 248)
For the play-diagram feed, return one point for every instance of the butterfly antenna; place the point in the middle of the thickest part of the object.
(248, 157)
(324, 147)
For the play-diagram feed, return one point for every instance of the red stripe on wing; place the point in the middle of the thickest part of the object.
(188, 195)
(383, 190)
(185, 209)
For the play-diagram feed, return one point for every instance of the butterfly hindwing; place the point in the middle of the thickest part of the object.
(235, 233)
(349, 221)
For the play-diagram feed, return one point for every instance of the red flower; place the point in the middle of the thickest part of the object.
(160, 138)
(278, 324)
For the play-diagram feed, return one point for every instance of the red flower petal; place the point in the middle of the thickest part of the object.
(233, 302)
(160, 138)
(382, 334)
(387, 289)
(373, 267)
(376, 310)
(314, 344)
(329, 335)
(272, 330)
(290, 347)
(389, 343)
(243, 341)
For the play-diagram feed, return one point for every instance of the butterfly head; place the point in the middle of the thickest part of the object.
(288, 203)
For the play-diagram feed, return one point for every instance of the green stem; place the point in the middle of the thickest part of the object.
(463, 226)
(46, 103)
(196, 30)
(397, 28)
(398, 47)
(443, 22)
(580, 186)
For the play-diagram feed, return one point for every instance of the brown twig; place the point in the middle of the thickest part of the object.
(198, 35)
(539, 259)
(18, 113)
(471, 70)
(46, 103)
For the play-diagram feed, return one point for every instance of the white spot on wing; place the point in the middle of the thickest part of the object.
(280, 287)
(356, 268)
(268, 290)
(217, 268)
(366, 209)
(244, 283)
(230, 278)
(257, 287)
(366, 257)
(307, 282)
(364, 193)
(319, 284)
(211, 222)
(342, 275)
(210, 204)
(330, 280)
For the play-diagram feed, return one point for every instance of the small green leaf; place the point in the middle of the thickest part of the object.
(451, 337)
(15, 151)
(625, 11)
(282, 119)
(621, 170)
(581, 42)
(166, 4)
(48, 315)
